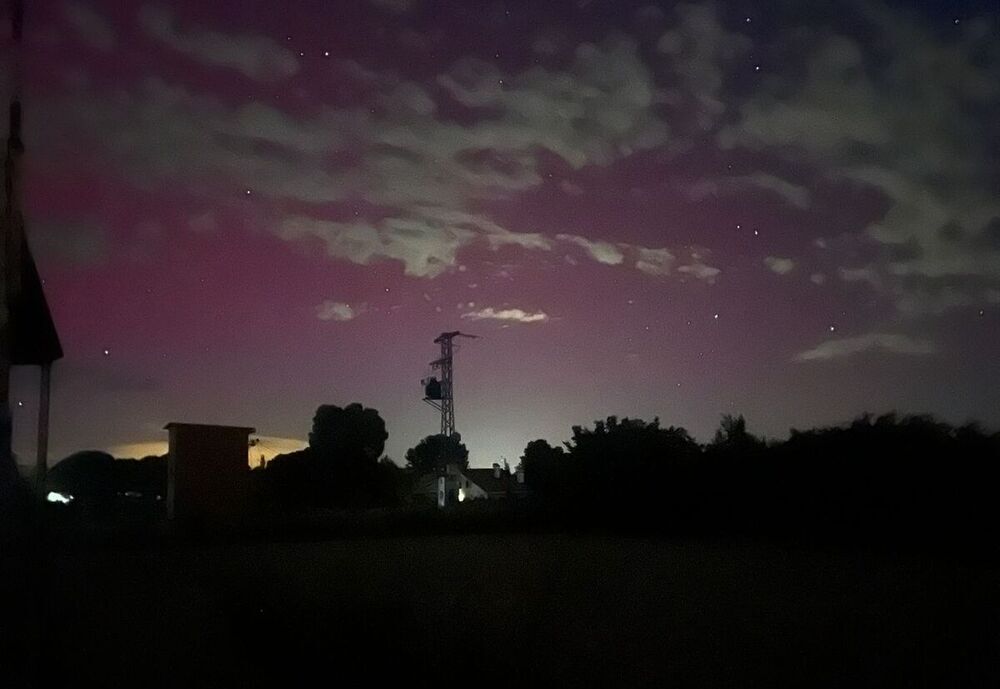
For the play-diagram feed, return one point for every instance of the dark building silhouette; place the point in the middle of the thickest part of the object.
(207, 472)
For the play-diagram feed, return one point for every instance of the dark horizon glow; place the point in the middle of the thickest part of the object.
(243, 210)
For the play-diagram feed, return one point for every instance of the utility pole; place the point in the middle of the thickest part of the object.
(11, 233)
(440, 394)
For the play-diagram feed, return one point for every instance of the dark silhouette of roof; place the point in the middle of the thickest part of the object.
(488, 481)
(34, 340)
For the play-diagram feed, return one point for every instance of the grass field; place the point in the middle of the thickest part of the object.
(498, 610)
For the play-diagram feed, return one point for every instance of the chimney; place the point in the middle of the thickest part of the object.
(496, 470)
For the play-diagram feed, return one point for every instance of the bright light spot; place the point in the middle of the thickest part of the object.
(756, 68)
(748, 20)
(107, 352)
(60, 498)
(461, 495)
(716, 316)
(832, 328)
(20, 403)
(326, 53)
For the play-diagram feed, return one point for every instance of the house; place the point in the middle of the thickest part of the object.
(453, 485)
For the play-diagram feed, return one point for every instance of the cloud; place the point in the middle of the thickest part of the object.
(794, 194)
(517, 315)
(701, 271)
(602, 252)
(697, 52)
(425, 247)
(571, 188)
(598, 110)
(258, 57)
(781, 266)
(654, 261)
(338, 311)
(850, 115)
(884, 342)
(867, 274)
(817, 278)
(92, 28)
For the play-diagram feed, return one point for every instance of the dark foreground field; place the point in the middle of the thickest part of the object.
(501, 610)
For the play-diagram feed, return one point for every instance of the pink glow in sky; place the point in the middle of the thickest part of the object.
(243, 210)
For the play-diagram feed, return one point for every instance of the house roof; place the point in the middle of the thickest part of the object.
(485, 479)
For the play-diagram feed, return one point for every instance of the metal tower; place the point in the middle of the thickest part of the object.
(440, 394)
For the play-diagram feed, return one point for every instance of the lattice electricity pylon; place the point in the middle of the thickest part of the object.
(440, 394)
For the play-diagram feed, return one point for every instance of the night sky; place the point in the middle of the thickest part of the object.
(245, 209)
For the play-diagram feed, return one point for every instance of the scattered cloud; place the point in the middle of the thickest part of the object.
(701, 271)
(517, 315)
(817, 278)
(884, 342)
(571, 188)
(92, 28)
(794, 194)
(850, 115)
(338, 311)
(425, 247)
(602, 252)
(257, 57)
(654, 261)
(781, 266)
(867, 274)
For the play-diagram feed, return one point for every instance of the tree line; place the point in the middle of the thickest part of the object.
(875, 474)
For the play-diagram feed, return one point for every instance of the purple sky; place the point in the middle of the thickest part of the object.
(245, 209)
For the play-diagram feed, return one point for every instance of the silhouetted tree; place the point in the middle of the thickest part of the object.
(340, 468)
(543, 467)
(350, 432)
(437, 451)
(732, 435)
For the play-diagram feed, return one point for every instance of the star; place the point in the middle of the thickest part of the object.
(756, 68)
(248, 192)
(747, 20)
(20, 403)
(832, 328)
(106, 352)
(326, 53)
(756, 233)
(716, 316)
(982, 312)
